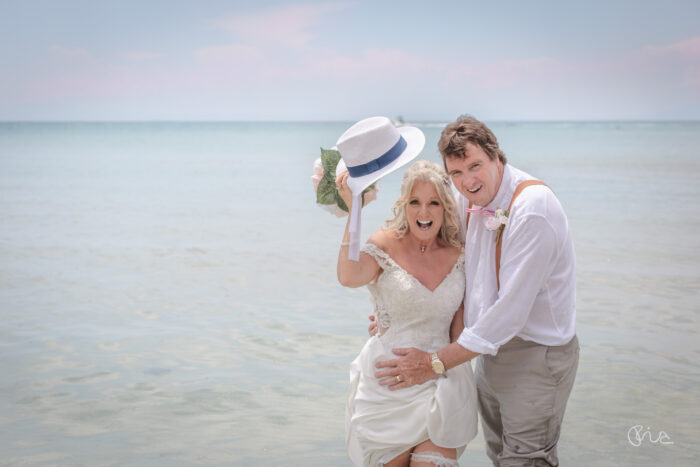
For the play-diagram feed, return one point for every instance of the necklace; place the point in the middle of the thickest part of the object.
(422, 248)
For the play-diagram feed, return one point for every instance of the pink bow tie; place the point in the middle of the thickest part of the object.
(484, 212)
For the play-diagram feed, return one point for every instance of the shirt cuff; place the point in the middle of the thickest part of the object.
(471, 341)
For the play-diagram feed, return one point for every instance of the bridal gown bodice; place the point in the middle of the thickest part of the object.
(410, 314)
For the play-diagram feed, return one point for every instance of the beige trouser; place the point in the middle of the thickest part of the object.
(522, 396)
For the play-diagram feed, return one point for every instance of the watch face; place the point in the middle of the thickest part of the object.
(438, 367)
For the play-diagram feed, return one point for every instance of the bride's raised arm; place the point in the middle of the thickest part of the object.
(353, 273)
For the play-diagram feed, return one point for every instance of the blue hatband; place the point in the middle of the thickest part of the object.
(380, 162)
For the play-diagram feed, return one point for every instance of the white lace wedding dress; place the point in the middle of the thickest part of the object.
(381, 424)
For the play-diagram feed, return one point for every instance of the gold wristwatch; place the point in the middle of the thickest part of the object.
(436, 363)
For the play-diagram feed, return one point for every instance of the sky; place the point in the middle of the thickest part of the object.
(84, 60)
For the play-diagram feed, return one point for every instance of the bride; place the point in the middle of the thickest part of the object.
(414, 270)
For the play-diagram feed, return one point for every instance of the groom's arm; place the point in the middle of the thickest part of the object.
(454, 355)
(530, 252)
(414, 365)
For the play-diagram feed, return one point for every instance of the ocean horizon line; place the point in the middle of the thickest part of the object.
(404, 122)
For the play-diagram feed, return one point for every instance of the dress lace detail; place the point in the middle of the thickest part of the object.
(409, 313)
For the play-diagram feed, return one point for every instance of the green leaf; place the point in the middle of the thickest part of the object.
(339, 201)
(329, 159)
(326, 192)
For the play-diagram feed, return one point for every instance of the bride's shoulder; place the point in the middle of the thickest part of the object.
(379, 247)
(385, 239)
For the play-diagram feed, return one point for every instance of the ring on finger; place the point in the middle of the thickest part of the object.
(398, 378)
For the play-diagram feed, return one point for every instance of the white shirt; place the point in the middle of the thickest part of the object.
(537, 298)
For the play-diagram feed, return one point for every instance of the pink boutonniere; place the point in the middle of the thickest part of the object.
(495, 220)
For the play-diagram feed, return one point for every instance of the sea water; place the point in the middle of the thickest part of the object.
(168, 292)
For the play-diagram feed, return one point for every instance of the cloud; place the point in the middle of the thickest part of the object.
(686, 50)
(232, 54)
(678, 62)
(78, 73)
(505, 74)
(642, 83)
(286, 26)
(141, 56)
(276, 64)
(375, 65)
(67, 54)
(268, 47)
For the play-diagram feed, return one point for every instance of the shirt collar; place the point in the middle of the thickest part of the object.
(505, 191)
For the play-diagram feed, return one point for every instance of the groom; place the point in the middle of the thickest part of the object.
(519, 302)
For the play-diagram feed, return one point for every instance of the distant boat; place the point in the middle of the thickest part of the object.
(398, 121)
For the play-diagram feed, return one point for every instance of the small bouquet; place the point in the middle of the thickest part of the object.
(327, 196)
(497, 222)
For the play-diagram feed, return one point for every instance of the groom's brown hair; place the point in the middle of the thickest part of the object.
(467, 129)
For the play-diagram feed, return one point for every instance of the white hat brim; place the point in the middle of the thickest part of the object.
(415, 141)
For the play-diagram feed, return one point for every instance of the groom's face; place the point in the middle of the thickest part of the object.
(475, 175)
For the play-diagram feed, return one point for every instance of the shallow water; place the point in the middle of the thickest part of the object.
(168, 291)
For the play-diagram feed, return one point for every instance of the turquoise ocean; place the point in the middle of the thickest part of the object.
(168, 292)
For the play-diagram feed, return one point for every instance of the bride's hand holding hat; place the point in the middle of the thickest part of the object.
(370, 149)
(341, 182)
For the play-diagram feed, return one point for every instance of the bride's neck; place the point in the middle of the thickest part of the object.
(421, 246)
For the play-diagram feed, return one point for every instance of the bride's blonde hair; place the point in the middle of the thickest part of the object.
(426, 171)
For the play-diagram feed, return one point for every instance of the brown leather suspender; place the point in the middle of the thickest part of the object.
(517, 191)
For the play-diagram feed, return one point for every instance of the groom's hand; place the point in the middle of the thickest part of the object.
(412, 368)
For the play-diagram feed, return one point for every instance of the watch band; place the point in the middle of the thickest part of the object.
(436, 364)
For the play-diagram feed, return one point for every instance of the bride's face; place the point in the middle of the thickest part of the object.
(424, 211)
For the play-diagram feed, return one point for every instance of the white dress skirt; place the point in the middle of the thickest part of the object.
(381, 423)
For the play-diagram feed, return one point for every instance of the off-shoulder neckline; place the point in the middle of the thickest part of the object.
(460, 259)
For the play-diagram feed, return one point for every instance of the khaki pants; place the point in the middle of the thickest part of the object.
(523, 392)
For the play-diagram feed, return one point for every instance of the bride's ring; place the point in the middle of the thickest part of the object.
(398, 378)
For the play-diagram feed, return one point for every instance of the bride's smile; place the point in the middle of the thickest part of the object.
(424, 225)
